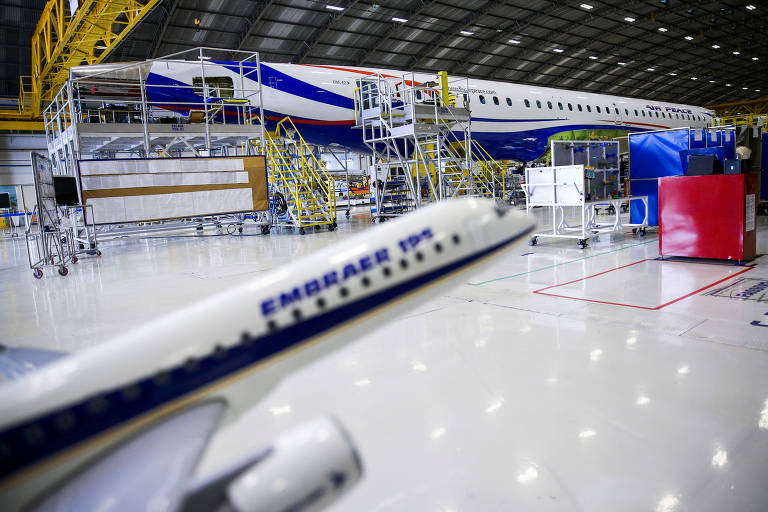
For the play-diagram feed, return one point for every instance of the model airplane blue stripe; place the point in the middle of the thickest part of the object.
(35, 440)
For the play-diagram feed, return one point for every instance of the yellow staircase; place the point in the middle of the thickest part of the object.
(300, 178)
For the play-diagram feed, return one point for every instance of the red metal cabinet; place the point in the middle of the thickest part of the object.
(708, 216)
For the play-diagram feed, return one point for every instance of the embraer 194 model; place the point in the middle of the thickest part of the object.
(512, 121)
(128, 418)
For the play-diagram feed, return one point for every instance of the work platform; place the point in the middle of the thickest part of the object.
(113, 139)
(421, 139)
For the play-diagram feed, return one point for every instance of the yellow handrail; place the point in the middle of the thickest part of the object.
(491, 169)
(309, 162)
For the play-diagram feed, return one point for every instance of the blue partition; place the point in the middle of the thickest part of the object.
(654, 154)
(648, 188)
(698, 138)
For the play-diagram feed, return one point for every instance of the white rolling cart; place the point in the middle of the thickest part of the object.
(562, 190)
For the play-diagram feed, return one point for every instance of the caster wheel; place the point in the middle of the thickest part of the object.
(302, 231)
(583, 244)
(98, 253)
(264, 230)
(74, 260)
(199, 228)
(634, 231)
(81, 246)
(332, 227)
(37, 273)
(240, 229)
(63, 241)
(63, 271)
(347, 214)
(642, 232)
(532, 242)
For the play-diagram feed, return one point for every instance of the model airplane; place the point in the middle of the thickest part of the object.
(74, 432)
(512, 121)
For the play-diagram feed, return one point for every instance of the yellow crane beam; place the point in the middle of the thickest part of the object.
(62, 40)
(741, 112)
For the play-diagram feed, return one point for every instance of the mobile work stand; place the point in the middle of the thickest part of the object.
(562, 190)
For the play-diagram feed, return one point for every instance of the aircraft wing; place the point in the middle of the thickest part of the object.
(148, 472)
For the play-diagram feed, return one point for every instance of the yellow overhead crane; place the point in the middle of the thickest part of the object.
(748, 112)
(62, 40)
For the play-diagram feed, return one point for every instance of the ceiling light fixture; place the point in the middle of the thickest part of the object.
(593, 57)
(466, 33)
(662, 29)
(334, 7)
(673, 74)
(651, 69)
(694, 78)
(399, 20)
(736, 53)
(621, 63)
(629, 19)
(587, 6)
(715, 46)
(751, 7)
(558, 50)
(513, 41)
(727, 85)
(755, 58)
(711, 81)
(689, 38)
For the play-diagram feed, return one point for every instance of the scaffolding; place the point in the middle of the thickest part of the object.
(422, 145)
(119, 111)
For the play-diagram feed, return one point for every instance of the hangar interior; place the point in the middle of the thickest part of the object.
(357, 255)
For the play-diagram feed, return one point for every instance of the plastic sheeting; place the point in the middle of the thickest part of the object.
(652, 155)
(142, 189)
(655, 154)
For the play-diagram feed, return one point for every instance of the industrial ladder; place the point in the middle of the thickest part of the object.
(300, 178)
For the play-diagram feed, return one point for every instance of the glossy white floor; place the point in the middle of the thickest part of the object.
(493, 397)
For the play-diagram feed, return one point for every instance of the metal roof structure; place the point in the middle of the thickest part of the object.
(690, 51)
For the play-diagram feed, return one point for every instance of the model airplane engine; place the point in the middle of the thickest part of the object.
(307, 469)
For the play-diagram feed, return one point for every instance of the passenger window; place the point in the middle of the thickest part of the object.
(589, 108)
(549, 105)
(509, 102)
(643, 113)
(636, 114)
(482, 99)
(607, 110)
(663, 115)
(626, 111)
(579, 105)
(527, 104)
(657, 113)
(570, 107)
(495, 100)
(598, 109)
(538, 103)
(559, 105)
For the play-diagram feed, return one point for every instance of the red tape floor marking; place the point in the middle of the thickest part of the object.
(656, 308)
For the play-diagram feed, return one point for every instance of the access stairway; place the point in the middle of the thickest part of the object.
(422, 145)
(302, 189)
